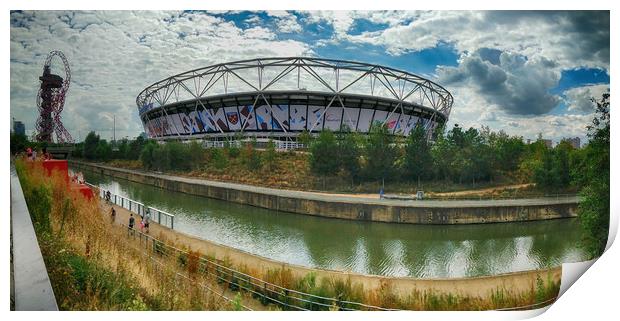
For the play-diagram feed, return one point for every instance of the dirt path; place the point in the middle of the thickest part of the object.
(360, 195)
(485, 190)
(459, 193)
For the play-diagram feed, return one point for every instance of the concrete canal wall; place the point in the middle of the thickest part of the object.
(354, 208)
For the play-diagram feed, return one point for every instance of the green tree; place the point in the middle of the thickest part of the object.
(553, 171)
(250, 157)
(146, 155)
(380, 153)
(161, 158)
(178, 155)
(348, 152)
(90, 145)
(544, 172)
(123, 149)
(578, 165)
(324, 160)
(217, 158)
(232, 147)
(196, 154)
(594, 208)
(78, 150)
(270, 155)
(103, 151)
(561, 164)
(442, 153)
(135, 148)
(506, 151)
(532, 159)
(480, 155)
(418, 159)
(305, 138)
(18, 143)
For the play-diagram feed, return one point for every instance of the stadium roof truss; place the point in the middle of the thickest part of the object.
(263, 76)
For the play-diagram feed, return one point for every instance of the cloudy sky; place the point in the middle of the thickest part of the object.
(521, 72)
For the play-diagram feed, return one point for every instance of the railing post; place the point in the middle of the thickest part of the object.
(159, 217)
(172, 223)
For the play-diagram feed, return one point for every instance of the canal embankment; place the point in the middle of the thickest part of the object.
(354, 208)
(516, 283)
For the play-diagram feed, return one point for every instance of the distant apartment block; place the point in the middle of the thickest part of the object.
(19, 128)
(575, 142)
(548, 142)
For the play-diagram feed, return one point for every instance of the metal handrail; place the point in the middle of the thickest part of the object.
(137, 207)
(530, 306)
(156, 262)
(229, 275)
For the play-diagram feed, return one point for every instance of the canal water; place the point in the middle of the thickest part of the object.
(421, 251)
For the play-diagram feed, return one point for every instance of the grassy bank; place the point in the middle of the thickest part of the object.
(91, 265)
(291, 171)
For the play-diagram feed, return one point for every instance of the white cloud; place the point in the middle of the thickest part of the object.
(513, 83)
(580, 99)
(253, 20)
(572, 39)
(288, 24)
(116, 54)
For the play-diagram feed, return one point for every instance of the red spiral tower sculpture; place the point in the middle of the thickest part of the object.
(51, 100)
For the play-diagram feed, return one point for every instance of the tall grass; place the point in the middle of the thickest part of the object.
(92, 265)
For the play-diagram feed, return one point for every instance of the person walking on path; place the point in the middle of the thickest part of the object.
(113, 214)
(132, 221)
(147, 220)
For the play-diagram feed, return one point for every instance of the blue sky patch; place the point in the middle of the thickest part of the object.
(572, 78)
(421, 62)
(360, 26)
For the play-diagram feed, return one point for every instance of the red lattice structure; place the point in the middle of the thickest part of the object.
(51, 100)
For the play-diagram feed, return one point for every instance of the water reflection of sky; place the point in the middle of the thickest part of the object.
(365, 247)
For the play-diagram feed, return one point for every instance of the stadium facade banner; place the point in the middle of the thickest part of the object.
(282, 118)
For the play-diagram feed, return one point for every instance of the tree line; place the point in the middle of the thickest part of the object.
(175, 156)
(457, 155)
(467, 157)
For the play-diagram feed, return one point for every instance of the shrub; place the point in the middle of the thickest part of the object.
(217, 158)
(236, 303)
(250, 158)
(232, 149)
(39, 206)
(270, 155)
